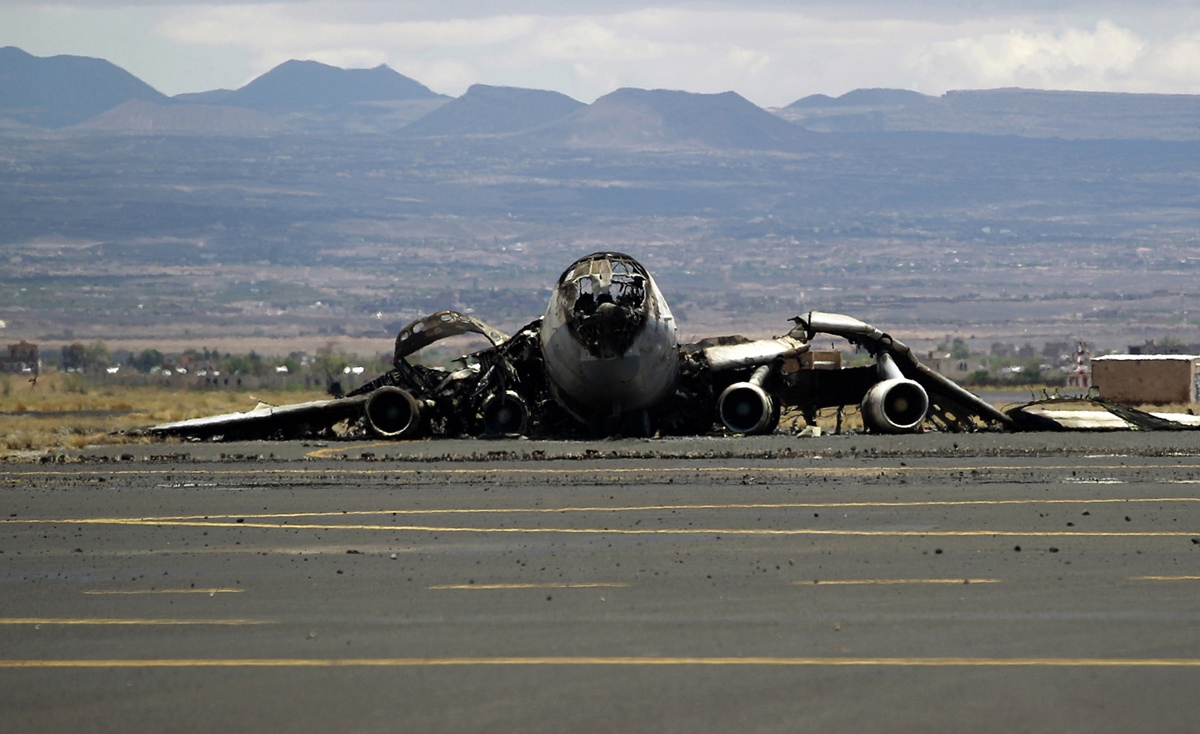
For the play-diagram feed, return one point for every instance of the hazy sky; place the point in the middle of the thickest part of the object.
(771, 51)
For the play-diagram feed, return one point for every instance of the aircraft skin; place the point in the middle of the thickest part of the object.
(604, 359)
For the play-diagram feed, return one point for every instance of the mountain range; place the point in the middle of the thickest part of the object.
(95, 95)
(63, 90)
(658, 119)
(1032, 113)
(303, 85)
(487, 110)
(138, 116)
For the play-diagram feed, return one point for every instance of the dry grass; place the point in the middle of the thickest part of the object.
(64, 411)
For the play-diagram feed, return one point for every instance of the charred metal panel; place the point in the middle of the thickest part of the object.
(441, 325)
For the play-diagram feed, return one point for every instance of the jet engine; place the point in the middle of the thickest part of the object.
(393, 413)
(745, 407)
(504, 414)
(895, 404)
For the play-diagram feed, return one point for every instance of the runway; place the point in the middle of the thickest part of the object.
(984, 582)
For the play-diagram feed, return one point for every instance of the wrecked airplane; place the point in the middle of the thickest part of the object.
(604, 360)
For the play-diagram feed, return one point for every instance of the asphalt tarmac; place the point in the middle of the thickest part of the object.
(928, 583)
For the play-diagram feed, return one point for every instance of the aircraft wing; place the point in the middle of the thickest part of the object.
(952, 406)
(751, 380)
(1095, 414)
(288, 421)
(409, 401)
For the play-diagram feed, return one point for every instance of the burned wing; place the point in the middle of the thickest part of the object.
(1093, 413)
(897, 394)
(492, 393)
(747, 383)
(265, 422)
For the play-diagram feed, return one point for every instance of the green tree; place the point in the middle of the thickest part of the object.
(330, 363)
(979, 378)
(86, 358)
(960, 350)
(244, 364)
(74, 356)
(98, 356)
(146, 360)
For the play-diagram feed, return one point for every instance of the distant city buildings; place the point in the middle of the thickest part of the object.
(1166, 346)
(1052, 350)
(956, 368)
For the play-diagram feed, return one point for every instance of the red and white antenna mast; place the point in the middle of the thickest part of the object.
(1081, 376)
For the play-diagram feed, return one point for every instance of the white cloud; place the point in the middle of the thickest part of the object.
(278, 25)
(1177, 63)
(1075, 58)
(593, 38)
(753, 62)
(276, 32)
(771, 51)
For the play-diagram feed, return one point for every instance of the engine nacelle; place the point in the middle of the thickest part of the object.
(897, 405)
(745, 407)
(504, 414)
(393, 413)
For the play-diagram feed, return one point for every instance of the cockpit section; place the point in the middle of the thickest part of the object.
(604, 299)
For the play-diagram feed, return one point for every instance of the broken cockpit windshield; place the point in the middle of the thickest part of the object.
(608, 306)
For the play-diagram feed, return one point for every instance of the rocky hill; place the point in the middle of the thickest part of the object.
(147, 117)
(659, 119)
(488, 110)
(58, 91)
(1021, 112)
(307, 85)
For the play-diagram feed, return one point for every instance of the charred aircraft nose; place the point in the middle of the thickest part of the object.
(609, 330)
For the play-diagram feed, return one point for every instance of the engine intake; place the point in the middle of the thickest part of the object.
(746, 408)
(393, 413)
(504, 414)
(896, 405)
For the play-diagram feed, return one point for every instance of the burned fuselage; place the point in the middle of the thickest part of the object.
(604, 359)
(608, 339)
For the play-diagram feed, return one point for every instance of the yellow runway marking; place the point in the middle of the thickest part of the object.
(186, 519)
(723, 531)
(664, 508)
(1164, 578)
(447, 529)
(474, 587)
(165, 591)
(931, 662)
(330, 452)
(129, 622)
(885, 582)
